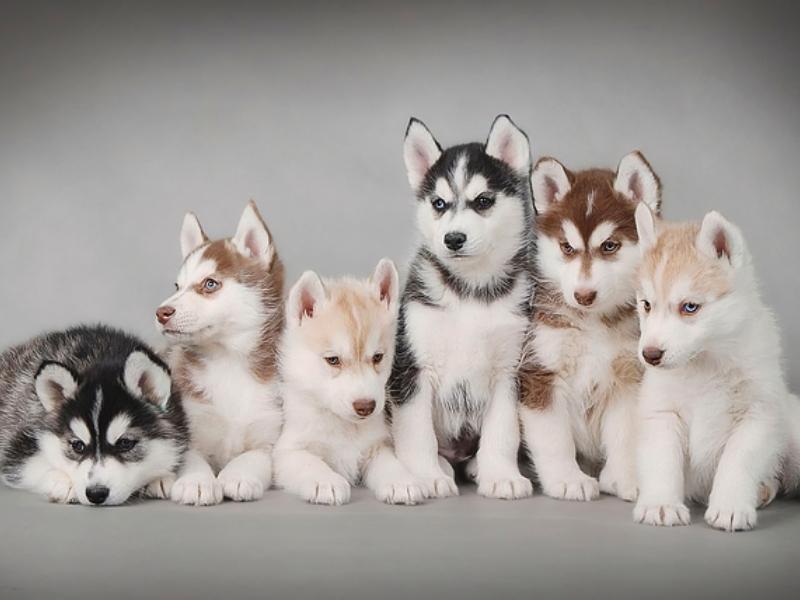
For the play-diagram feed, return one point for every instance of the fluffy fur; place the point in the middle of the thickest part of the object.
(580, 376)
(223, 325)
(88, 415)
(464, 311)
(718, 424)
(336, 358)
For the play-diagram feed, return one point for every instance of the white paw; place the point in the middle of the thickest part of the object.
(622, 486)
(194, 490)
(767, 492)
(742, 518)
(334, 492)
(439, 486)
(508, 488)
(409, 493)
(159, 489)
(663, 515)
(241, 488)
(580, 487)
(60, 489)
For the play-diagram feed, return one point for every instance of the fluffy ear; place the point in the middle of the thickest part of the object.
(509, 144)
(304, 297)
(55, 384)
(645, 227)
(721, 239)
(550, 182)
(252, 238)
(386, 282)
(637, 180)
(192, 235)
(147, 379)
(420, 152)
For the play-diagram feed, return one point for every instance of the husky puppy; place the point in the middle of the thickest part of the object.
(464, 311)
(580, 374)
(223, 325)
(335, 361)
(88, 415)
(718, 424)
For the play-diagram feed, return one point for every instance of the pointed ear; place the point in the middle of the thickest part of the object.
(637, 181)
(420, 152)
(304, 297)
(509, 144)
(192, 235)
(54, 385)
(387, 283)
(252, 238)
(550, 182)
(645, 227)
(721, 239)
(147, 379)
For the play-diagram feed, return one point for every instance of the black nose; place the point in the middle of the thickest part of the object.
(455, 240)
(653, 355)
(97, 494)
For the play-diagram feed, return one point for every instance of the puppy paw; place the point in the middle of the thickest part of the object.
(408, 493)
(240, 488)
(439, 486)
(621, 486)
(662, 515)
(160, 489)
(60, 489)
(727, 518)
(192, 490)
(510, 488)
(333, 492)
(580, 487)
(767, 492)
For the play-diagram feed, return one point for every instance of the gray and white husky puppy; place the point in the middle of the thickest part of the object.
(88, 415)
(464, 312)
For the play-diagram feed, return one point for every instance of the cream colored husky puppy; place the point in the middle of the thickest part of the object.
(336, 357)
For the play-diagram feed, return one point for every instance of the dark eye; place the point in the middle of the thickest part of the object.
(646, 306)
(689, 308)
(333, 361)
(211, 285)
(125, 444)
(610, 246)
(483, 203)
(377, 358)
(177, 288)
(78, 447)
(567, 249)
(439, 205)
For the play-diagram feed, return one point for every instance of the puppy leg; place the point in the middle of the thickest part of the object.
(416, 444)
(497, 470)
(391, 482)
(618, 436)
(196, 484)
(308, 476)
(247, 476)
(548, 437)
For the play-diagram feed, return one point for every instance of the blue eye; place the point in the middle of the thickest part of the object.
(439, 205)
(689, 308)
(210, 285)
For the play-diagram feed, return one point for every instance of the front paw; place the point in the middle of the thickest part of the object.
(726, 518)
(662, 515)
(241, 488)
(408, 493)
(60, 489)
(160, 489)
(505, 488)
(333, 492)
(619, 485)
(197, 490)
(767, 491)
(439, 485)
(578, 487)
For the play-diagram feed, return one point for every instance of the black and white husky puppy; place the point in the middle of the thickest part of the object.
(464, 311)
(88, 415)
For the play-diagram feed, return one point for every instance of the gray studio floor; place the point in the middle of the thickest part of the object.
(465, 547)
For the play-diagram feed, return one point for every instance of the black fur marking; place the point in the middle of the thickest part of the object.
(403, 382)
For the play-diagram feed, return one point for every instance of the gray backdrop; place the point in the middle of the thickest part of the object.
(114, 121)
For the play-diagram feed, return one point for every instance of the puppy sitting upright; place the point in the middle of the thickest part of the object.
(718, 424)
(224, 324)
(465, 311)
(580, 375)
(335, 361)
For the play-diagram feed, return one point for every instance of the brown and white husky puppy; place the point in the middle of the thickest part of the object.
(224, 324)
(336, 358)
(580, 375)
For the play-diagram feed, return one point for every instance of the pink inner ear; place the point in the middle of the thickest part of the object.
(721, 244)
(251, 243)
(635, 187)
(423, 160)
(504, 149)
(552, 189)
(307, 303)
